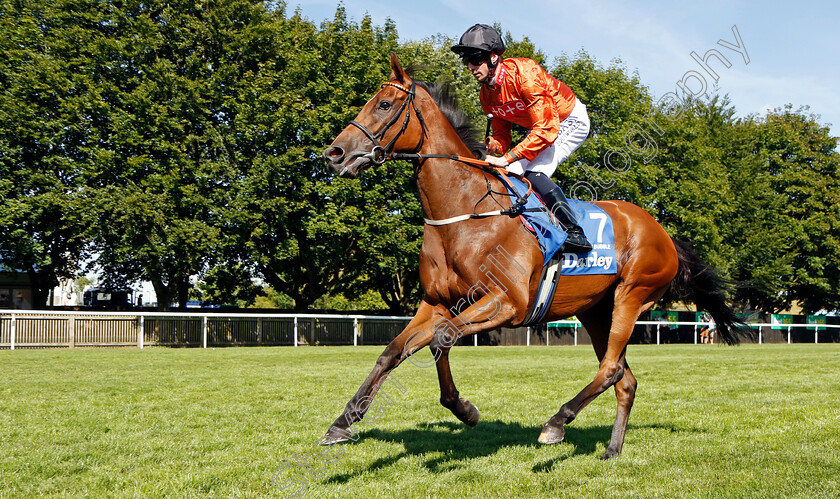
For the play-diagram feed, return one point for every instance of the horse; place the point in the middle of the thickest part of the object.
(408, 119)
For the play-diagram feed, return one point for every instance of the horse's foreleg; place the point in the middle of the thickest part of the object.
(478, 318)
(415, 336)
(462, 408)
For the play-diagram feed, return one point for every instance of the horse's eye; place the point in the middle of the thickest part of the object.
(384, 105)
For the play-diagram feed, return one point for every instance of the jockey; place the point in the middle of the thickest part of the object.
(519, 91)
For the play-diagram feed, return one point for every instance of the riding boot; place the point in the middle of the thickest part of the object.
(556, 201)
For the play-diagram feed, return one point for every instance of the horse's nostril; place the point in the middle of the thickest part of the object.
(335, 152)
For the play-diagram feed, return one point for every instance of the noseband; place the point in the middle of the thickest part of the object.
(380, 154)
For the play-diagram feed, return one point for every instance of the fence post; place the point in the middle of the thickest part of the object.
(259, 330)
(576, 326)
(789, 335)
(355, 331)
(141, 335)
(816, 329)
(295, 332)
(528, 336)
(12, 333)
(695, 334)
(71, 322)
(657, 334)
(759, 335)
(204, 332)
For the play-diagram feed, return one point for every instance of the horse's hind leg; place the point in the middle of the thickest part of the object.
(597, 322)
(625, 392)
(610, 337)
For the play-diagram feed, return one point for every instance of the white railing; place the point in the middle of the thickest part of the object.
(755, 325)
(48, 328)
(699, 325)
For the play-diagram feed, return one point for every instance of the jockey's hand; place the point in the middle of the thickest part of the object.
(499, 161)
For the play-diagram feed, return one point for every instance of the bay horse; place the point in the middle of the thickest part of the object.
(463, 296)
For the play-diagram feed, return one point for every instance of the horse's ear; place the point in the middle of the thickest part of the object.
(398, 74)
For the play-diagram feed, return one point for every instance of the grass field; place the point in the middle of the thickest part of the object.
(709, 421)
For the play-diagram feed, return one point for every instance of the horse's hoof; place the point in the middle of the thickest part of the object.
(552, 434)
(334, 436)
(609, 454)
(471, 415)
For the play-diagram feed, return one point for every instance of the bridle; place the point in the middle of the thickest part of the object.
(380, 154)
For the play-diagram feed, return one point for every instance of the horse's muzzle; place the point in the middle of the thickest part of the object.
(344, 165)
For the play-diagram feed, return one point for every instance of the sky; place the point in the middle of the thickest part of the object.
(793, 48)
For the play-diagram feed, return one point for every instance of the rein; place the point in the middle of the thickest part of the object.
(380, 155)
(515, 208)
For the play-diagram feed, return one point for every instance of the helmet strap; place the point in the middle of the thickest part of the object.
(491, 66)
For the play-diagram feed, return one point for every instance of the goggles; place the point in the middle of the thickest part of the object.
(474, 58)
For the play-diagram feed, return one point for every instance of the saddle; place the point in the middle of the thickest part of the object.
(540, 224)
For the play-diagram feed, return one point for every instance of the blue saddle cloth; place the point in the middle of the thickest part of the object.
(595, 222)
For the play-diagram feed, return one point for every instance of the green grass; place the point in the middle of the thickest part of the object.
(709, 421)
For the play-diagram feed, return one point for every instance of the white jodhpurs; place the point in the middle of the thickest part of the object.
(573, 131)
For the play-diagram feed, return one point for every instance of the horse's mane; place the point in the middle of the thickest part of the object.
(447, 101)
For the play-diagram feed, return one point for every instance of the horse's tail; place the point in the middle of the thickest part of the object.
(701, 284)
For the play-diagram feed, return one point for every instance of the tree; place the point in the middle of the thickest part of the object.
(178, 141)
(687, 185)
(305, 229)
(174, 77)
(787, 221)
(44, 104)
(230, 285)
(390, 235)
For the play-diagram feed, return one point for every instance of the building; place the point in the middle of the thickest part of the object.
(15, 290)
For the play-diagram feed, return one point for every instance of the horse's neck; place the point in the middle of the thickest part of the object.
(448, 188)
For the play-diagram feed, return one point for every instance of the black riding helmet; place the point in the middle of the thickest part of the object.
(480, 37)
(477, 43)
